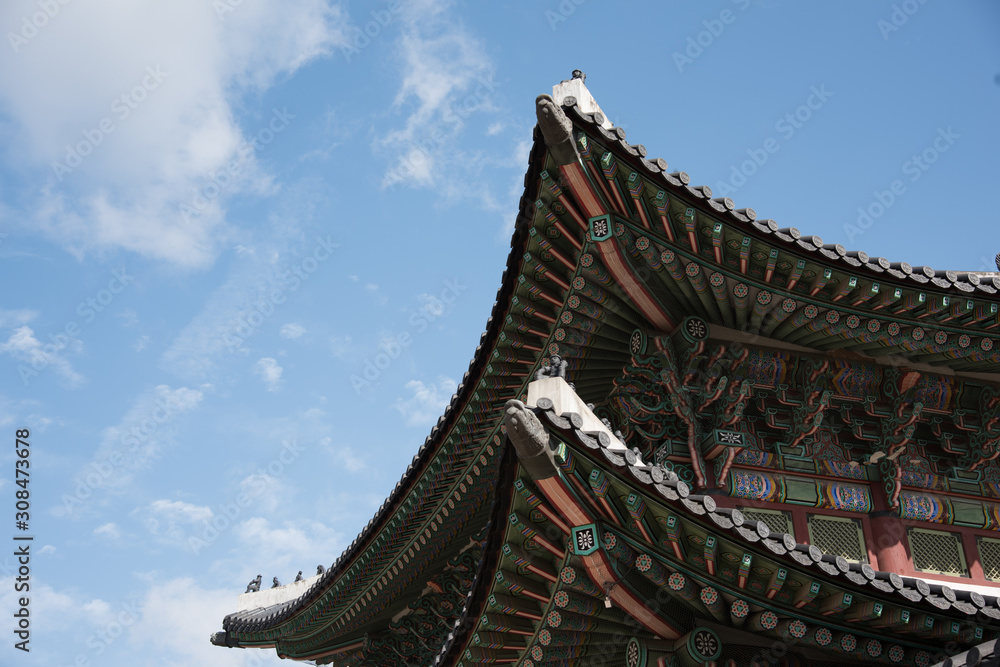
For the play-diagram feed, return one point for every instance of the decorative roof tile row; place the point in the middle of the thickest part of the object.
(986, 654)
(656, 480)
(965, 282)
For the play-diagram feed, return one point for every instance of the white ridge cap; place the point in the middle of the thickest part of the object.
(564, 400)
(267, 597)
(584, 100)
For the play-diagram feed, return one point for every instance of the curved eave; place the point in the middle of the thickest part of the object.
(956, 283)
(474, 410)
(461, 404)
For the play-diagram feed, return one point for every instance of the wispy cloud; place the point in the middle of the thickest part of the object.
(17, 317)
(109, 530)
(128, 447)
(268, 370)
(171, 521)
(34, 356)
(128, 317)
(292, 331)
(341, 346)
(447, 77)
(291, 546)
(256, 287)
(427, 402)
(344, 456)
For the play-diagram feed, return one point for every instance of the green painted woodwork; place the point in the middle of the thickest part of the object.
(801, 492)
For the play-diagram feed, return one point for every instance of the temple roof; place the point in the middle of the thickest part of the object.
(940, 319)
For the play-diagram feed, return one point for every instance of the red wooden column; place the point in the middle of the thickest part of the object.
(888, 550)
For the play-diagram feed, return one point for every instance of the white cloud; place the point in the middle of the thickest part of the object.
(292, 331)
(164, 82)
(427, 403)
(141, 343)
(177, 618)
(270, 372)
(40, 422)
(66, 614)
(290, 547)
(109, 529)
(340, 346)
(97, 607)
(266, 492)
(35, 356)
(431, 305)
(165, 625)
(180, 511)
(377, 296)
(22, 413)
(344, 456)
(17, 317)
(173, 521)
(128, 317)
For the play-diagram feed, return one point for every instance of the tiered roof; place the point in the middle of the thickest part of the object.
(610, 252)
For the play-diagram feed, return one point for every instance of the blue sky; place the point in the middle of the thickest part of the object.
(216, 215)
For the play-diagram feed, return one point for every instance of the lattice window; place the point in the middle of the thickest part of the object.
(838, 536)
(937, 552)
(989, 556)
(777, 521)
